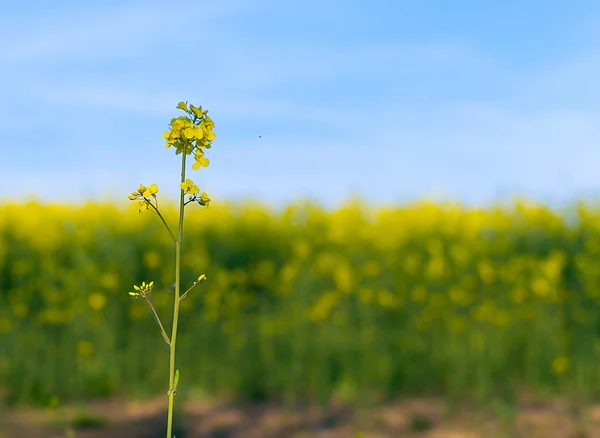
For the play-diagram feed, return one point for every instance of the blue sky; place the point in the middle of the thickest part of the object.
(388, 100)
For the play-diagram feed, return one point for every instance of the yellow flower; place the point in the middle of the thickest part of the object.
(200, 162)
(204, 199)
(193, 133)
(189, 187)
(198, 111)
(179, 125)
(150, 191)
(142, 206)
(144, 191)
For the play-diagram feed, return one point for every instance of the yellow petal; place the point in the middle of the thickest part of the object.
(189, 133)
(151, 190)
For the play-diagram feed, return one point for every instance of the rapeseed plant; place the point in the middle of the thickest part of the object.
(190, 134)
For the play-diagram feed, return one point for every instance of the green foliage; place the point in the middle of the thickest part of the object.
(83, 419)
(302, 303)
(420, 423)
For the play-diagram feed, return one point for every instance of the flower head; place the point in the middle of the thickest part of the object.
(142, 290)
(191, 134)
(144, 192)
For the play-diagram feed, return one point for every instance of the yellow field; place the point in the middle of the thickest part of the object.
(354, 303)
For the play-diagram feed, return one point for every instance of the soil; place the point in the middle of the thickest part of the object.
(412, 418)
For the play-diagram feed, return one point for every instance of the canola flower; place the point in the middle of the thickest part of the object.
(189, 135)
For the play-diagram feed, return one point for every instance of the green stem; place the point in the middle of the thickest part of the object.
(190, 288)
(177, 301)
(163, 220)
(157, 319)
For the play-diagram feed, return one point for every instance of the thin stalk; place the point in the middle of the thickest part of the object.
(176, 304)
(190, 288)
(157, 319)
(163, 221)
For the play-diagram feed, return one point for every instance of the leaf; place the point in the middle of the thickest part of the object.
(182, 106)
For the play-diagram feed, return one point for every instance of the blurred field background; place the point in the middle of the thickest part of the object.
(421, 257)
(358, 304)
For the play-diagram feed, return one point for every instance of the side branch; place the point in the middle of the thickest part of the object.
(157, 319)
(202, 277)
(163, 220)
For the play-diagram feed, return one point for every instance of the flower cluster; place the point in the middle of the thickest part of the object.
(142, 194)
(190, 188)
(142, 290)
(191, 134)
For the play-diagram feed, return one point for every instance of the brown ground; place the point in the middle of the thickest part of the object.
(423, 418)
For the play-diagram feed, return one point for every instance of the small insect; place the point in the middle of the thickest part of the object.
(260, 136)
